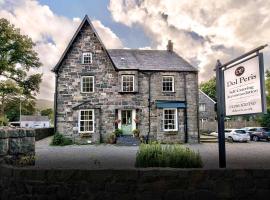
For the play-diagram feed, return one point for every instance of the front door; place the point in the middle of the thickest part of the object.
(126, 122)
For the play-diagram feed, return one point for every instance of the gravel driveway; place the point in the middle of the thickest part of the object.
(104, 156)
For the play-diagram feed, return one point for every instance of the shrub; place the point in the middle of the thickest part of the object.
(60, 140)
(176, 156)
(136, 132)
(3, 120)
(118, 132)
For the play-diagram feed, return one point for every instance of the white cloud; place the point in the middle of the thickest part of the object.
(202, 30)
(50, 32)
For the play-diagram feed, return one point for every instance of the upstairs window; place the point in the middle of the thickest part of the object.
(87, 58)
(127, 83)
(202, 107)
(168, 83)
(87, 84)
(86, 121)
(170, 120)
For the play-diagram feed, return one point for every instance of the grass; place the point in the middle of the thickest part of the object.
(60, 140)
(175, 156)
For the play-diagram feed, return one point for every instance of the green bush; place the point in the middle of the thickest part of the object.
(175, 156)
(118, 132)
(3, 120)
(60, 140)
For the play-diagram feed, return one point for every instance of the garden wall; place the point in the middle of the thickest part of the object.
(41, 133)
(134, 184)
(16, 143)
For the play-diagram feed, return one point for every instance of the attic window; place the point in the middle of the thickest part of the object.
(87, 58)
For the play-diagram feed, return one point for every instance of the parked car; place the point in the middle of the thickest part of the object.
(258, 133)
(239, 135)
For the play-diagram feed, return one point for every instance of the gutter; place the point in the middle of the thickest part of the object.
(55, 102)
(149, 108)
(185, 111)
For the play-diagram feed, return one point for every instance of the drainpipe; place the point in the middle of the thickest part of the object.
(185, 110)
(55, 102)
(149, 108)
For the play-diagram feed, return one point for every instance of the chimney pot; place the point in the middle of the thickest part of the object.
(170, 46)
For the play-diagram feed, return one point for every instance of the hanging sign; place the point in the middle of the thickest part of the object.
(244, 87)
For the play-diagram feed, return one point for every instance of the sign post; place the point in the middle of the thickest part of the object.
(240, 91)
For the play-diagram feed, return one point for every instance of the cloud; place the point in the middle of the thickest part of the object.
(202, 31)
(46, 29)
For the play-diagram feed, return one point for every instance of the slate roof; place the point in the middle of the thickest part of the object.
(149, 60)
(36, 118)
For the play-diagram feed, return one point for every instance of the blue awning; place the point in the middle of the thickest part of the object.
(170, 104)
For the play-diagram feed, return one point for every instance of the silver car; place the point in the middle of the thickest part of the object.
(236, 135)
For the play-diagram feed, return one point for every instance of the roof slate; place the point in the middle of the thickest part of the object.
(36, 118)
(152, 60)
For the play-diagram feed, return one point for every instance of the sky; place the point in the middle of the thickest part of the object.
(202, 30)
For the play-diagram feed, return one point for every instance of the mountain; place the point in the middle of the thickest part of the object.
(42, 104)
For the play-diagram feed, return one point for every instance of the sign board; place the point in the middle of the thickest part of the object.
(244, 88)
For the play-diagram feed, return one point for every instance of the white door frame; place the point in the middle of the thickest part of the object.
(133, 116)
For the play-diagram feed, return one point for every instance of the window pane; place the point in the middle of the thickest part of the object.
(88, 84)
(169, 119)
(127, 83)
(86, 121)
(167, 83)
(87, 58)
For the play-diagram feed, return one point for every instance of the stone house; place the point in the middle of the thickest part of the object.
(207, 111)
(99, 90)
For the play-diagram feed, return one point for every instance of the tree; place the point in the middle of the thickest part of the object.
(267, 87)
(209, 88)
(47, 112)
(8, 89)
(17, 57)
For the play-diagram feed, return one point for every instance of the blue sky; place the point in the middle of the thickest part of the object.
(98, 9)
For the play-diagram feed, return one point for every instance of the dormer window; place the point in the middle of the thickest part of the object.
(168, 84)
(127, 83)
(87, 58)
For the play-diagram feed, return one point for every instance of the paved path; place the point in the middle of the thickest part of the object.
(239, 155)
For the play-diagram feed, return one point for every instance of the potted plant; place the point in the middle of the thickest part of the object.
(112, 138)
(118, 132)
(136, 132)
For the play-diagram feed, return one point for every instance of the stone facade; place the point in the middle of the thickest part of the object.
(107, 99)
(209, 114)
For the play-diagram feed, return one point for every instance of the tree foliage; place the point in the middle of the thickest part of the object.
(17, 57)
(47, 112)
(209, 88)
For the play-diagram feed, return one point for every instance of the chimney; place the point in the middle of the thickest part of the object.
(170, 46)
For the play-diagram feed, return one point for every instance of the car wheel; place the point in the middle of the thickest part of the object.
(255, 138)
(230, 139)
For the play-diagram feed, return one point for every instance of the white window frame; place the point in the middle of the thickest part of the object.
(86, 54)
(93, 78)
(93, 119)
(176, 119)
(172, 83)
(133, 82)
(204, 106)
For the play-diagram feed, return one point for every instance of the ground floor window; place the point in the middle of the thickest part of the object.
(86, 121)
(170, 120)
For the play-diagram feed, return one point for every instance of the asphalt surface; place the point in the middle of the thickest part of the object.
(239, 155)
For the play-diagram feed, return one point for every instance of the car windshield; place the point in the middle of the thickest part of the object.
(240, 131)
(266, 129)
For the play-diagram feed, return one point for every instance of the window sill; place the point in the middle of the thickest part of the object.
(134, 92)
(174, 132)
(168, 92)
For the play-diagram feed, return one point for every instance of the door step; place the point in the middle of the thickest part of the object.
(128, 140)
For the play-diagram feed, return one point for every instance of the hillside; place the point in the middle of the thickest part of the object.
(42, 104)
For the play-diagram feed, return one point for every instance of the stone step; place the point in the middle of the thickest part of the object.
(128, 140)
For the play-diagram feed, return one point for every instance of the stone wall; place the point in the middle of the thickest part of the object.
(209, 114)
(41, 133)
(16, 143)
(158, 184)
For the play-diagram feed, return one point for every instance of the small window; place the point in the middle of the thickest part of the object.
(86, 121)
(202, 107)
(170, 120)
(87, 84)
(128, 83)
(87, 58)
(168, 83)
